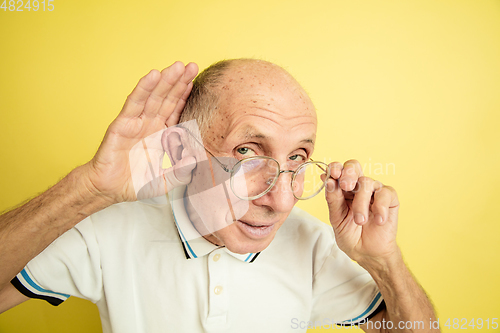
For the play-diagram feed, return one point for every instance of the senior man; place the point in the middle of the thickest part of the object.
(157, 265)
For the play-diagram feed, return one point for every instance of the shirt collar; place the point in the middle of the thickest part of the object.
(195, 245)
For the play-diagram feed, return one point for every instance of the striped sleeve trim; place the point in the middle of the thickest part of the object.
(376, 305)
(26, 285)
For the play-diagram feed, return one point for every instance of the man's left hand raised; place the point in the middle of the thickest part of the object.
(364, 216)
(363, 213)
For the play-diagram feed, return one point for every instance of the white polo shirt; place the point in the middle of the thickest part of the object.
(134, 263)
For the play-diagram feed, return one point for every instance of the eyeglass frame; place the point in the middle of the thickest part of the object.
(231, 171)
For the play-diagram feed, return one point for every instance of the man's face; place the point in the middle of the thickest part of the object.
(262, 112)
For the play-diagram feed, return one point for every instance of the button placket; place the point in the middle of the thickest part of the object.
(218, 298)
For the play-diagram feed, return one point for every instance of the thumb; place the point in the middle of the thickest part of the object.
(337, 205)
(180, 174)
(168, 179)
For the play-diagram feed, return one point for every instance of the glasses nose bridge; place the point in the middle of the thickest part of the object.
(278, 175)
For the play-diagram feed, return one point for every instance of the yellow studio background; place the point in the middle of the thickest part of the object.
(409, 88)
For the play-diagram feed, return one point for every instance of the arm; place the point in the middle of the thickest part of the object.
(364, 215)
(154, 104)
(405, 300)
(40, 221)
(10, 297)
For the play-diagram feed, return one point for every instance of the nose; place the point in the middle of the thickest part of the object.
(280, 198)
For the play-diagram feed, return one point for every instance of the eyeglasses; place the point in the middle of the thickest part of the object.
(254, 177)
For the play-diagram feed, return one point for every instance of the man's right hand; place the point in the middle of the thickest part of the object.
(155, 104)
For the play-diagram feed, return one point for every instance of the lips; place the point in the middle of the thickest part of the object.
(254, 230)
(257, 224)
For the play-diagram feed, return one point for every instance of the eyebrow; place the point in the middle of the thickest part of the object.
(252, 133)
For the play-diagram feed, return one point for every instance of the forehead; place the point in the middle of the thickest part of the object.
(250, 131)
(259, 98)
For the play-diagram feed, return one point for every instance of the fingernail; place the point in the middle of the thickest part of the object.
(359, 218)
(379, 219)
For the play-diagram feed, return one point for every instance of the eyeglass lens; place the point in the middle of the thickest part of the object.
(307, 182)
(254, 177)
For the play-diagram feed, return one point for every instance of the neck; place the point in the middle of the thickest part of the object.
(197, 222)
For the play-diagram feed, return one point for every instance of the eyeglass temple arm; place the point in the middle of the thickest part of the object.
(223, 166)
(319, 166)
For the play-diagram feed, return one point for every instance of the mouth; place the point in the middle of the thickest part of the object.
(255, 230)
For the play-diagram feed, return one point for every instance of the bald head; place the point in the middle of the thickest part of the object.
(215, 88)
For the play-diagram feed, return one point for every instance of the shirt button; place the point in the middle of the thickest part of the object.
(216, 257)
(218, 290)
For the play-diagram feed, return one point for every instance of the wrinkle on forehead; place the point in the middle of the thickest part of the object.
(251, 132)
(270, 114)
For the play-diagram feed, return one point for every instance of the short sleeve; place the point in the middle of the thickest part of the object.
(343, 292)
(70, 266)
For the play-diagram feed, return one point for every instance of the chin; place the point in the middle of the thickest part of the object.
(246, 248)
(237, 242)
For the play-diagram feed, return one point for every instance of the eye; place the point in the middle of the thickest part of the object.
(243, 150)
(246, 152)
(297, 158)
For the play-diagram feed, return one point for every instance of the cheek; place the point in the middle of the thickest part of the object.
(240, 208)
(213, 209)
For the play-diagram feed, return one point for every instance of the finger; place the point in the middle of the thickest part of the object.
(170, 77)
(176, 99)
(337, 205)
(134, 105)
(350, 173)
(191, 72)
(335, 169)
(384, 198)
(362, 199)
(176, 114)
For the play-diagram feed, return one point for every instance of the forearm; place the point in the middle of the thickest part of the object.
(30, 228)
(405, 300)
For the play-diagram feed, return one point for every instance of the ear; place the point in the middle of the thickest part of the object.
(174, 143)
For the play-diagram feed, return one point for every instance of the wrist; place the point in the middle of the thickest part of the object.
(404, 297)
(86, 192)
(383, 266)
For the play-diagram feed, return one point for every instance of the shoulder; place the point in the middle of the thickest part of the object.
(304, 238)
(127, 211)
(139, 219)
